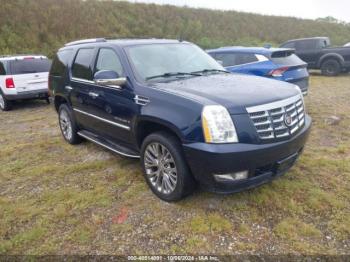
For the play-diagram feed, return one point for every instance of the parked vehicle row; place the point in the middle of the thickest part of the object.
(173, 106)
(23, 77)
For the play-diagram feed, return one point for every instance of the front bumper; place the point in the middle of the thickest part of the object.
(40, 93)
(263, 161)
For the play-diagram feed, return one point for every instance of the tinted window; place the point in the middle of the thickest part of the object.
(2, 69)
(60, 62)
(108, 60)
(286, 58)
(30, 66)
(306, 45)
(245, 59)
(226, 59)
(82, 64)
(230, 59)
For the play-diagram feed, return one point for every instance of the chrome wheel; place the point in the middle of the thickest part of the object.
(160, 168)
(2, 102)
(66, 125)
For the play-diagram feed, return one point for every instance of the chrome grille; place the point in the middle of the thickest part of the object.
(278, 119)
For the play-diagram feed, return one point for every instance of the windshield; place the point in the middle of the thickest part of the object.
(170, 60)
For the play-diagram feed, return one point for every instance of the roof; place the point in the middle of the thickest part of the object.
(255, 50)
(307, 38)
(123, 42)
(21, 57)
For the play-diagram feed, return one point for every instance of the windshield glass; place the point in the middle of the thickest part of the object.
(170, 60)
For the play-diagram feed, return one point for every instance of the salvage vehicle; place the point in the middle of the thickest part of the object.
(319, 54)
(23, 77)
(275, 63)
(173, 106)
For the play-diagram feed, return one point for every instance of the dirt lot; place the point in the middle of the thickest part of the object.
(59, 199)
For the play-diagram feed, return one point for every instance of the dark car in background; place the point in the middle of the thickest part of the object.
(173, 106)
(319, 54)
(275, 63)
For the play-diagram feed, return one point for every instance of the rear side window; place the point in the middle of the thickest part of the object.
(60, 62)
(82, 65)
(286, 58)
(2, 69)
(227, 59)
(30, 66)
(231, 59)
(108, 60)
(306, 45)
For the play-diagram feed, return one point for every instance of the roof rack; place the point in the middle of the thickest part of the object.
(86, 41)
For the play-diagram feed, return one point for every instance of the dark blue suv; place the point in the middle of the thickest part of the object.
(172, 105)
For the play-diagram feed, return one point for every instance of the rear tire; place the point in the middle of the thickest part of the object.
(68, 125)
(5, 105)
(331, 67)
(165, 168)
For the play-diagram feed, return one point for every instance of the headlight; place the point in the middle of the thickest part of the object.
(217, 125)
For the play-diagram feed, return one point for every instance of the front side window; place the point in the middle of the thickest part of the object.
(82, 67)
(159, 59)
(108, 60)
(30, 66)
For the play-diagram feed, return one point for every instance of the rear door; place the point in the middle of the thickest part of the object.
(30, 74)
(244, 63)
(80, 89)
(309, 51)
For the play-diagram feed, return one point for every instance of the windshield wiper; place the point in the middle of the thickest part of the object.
(165, 75)
(210, 70)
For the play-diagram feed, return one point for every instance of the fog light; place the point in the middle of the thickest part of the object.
(231, 177)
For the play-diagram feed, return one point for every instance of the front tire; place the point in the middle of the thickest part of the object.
(5, 105)
(165, 168)
(68, 125)
(331, 67)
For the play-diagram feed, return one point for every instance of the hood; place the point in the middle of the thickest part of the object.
(234, 91)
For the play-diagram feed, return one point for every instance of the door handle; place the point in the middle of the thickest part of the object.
(68, 88)
(93, 95)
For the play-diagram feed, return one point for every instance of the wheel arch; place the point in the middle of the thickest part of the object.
(148, 125)
(59, 100)
(335, 56)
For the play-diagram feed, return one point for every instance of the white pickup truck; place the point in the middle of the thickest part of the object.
(23, 77)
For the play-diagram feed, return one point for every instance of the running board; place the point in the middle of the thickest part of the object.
(121, 150)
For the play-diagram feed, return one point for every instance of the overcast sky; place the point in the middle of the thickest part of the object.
(312, 9)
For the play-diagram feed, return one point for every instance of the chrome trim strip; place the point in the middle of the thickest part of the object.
(82, 80)
(277, 104)
(102, 119)
(105, 146)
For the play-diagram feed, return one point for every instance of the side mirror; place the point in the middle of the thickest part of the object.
(109, 78)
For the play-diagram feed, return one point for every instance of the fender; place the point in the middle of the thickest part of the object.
(159, 121)
(331, 55)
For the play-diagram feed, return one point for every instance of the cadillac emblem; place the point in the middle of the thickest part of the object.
(288, 119)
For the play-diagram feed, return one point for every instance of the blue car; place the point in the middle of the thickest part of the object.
(276, 63)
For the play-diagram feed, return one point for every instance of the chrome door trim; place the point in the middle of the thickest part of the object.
(108, 147)
(102, 119)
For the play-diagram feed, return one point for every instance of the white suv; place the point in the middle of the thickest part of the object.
(23, 77)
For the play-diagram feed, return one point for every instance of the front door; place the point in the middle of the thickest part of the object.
(114, 107)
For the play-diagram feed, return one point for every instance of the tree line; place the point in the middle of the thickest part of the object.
(42, 26)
